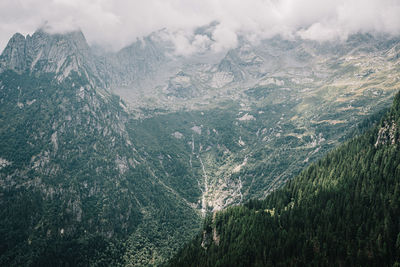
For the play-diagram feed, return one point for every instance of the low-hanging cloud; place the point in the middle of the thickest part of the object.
(117, 23)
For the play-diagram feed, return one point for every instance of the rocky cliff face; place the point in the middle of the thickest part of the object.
(140, 61)
(42, 52)
(13, 56)
(389, 132)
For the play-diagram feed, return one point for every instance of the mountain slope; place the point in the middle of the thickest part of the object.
(114, 180)
(74, 187)
(342, 210)
(285, 103)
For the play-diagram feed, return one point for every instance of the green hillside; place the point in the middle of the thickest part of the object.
(75, 187)
(89, 177)
(341, 211)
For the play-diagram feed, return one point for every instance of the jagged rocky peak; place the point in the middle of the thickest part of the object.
(146, 54)
(48, 53)
(139, 61)
(66, 43)
(13, 55)
(231, 64)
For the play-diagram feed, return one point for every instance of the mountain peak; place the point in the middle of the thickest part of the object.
(45, 52)
(74, 37)
(17, 37)
(14, 53)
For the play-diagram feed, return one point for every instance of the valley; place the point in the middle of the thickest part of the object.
(340, 210)
(117, 157)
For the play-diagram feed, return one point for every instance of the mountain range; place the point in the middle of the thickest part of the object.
(114, 158)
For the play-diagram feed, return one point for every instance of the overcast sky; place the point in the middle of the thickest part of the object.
(116, 23)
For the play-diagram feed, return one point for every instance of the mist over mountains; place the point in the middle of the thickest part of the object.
(114, 149)
(116, 24)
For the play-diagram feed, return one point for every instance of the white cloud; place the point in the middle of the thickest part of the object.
(116, 23)
(224, 38)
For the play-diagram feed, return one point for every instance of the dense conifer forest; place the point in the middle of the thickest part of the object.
(341, 211)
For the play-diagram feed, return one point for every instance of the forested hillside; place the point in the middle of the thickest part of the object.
(341, 211)
(74, 190)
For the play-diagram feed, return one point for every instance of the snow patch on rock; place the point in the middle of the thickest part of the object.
(270, 81)
(30, 102)
(246, 117)
(178, 135)
(241, 142)
(196, 129)
(122, 164)
(220, 79)
(4, 163)
(240, 166)
(54, 140)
